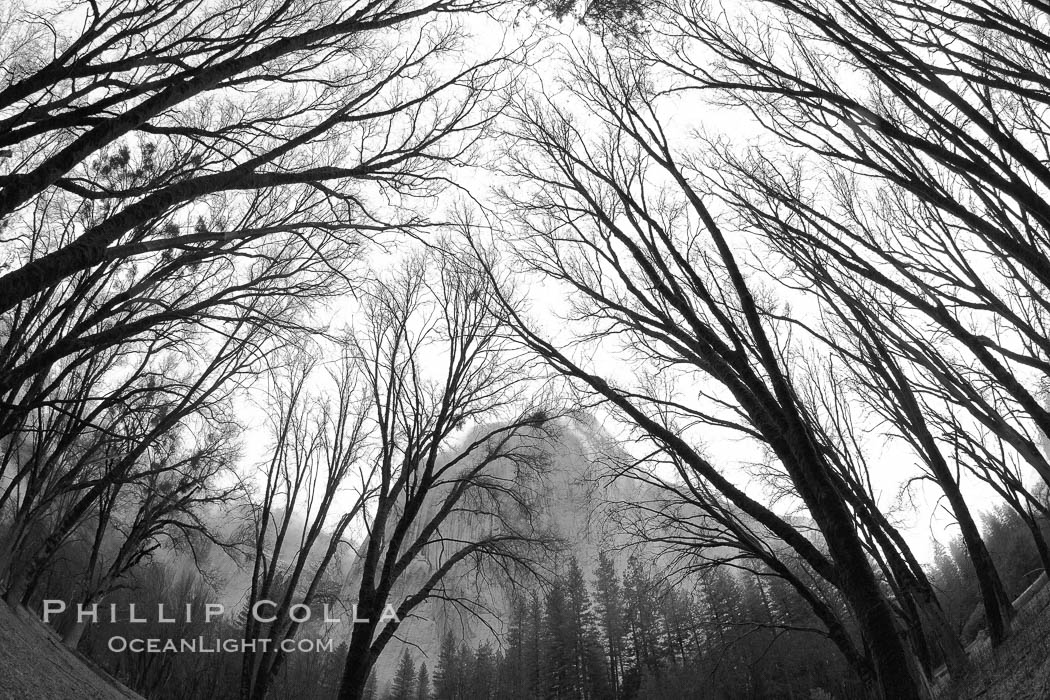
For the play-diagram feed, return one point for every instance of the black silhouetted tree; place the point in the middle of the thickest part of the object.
(85, 366)
(212, 119)
(313, 486)
(883, 384)
(930, 209)
(938, 202)
(832, 400)
(163, 204)
(132, 446)
(108, 326)
(455, 442)
(616, 217)
(984, 455)
(952, 413)
(170, 506)
(688, 528)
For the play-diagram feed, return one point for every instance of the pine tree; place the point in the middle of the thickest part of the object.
(608, 600)
(515, 678)
(677, 631)
(404, 683)
(503, 689)
(574, 657)
(590, 670)
(465, 679)
(447, 675)
(423, 682)
(535, 668)
(641, 617)
(371, 688)
(558, 643)
(483, 685)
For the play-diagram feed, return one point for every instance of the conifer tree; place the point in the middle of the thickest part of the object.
(404, 684)
(514, 676)
(608, 600)
(641, 616)
(371, 688)
(447, 674)
(423, 682)
(558, 643)
(591, 672)
(483, 676)
(575, 668)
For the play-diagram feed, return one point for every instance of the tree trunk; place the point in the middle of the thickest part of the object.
(896, 668)
(359, 663)
(915, 589)
(931, 614)
(1032, 521)
(999, 611)
(936, 624)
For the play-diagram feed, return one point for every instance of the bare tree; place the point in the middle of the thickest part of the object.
(85, 460)
(145, 304)
(688, 529)
(457, 449)
(617, 219)
(223, 101)
(884, 385)
(182, 171)
(314, 486)
(906, 154)
(833, 400)
(167, 507)
(90, 365)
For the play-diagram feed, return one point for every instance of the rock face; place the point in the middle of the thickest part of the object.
(572, 499)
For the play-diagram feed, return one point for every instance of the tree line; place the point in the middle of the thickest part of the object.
(637, 636)
(724, 634)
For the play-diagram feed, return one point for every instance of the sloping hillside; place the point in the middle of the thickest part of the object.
(1020, 668)
(36, 666)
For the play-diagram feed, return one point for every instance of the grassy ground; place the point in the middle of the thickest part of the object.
(34, 665)
(1017, 670)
